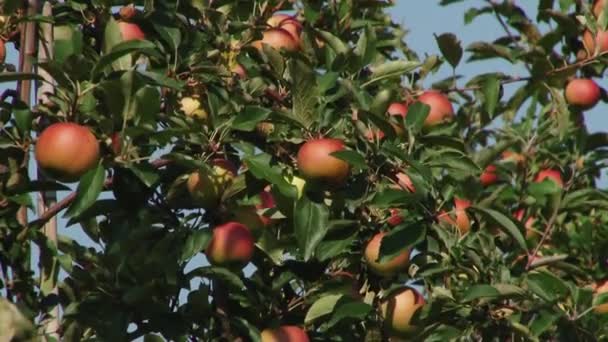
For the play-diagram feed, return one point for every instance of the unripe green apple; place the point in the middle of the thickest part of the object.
(66, 151)
(316, 162)
(206, 187)
(399, 309)
(388, 268)
(232, 244)
(285, 333)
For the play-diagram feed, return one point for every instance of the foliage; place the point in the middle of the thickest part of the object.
(142, 276)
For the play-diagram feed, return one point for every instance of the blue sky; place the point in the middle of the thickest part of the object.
(424, 18)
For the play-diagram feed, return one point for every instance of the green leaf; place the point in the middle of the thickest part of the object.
(491, 92)
(450, 48)
(354, 158)
(118, 51)
(249, 118)
(546, 285)
(391, 69)
(89, 188)
(334, 42)
(304, 93)
(260, 166)
(218, 273)
(196, 242)
(480, 291)
(505, 223)
(400, 239)
(310, 225)
(349, 309)
(417, 113)
(322, 307)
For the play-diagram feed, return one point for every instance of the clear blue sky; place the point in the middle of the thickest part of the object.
(424, 18)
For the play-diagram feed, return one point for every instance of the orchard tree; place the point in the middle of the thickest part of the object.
(288, 171)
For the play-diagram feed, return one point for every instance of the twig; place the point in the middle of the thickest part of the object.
(547, 232)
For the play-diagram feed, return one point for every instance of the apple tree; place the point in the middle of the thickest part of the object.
(275, 170)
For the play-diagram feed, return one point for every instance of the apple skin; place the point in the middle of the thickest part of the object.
(590, 42)
(462, 222)
(399, 309)
(315, 161)
(397, 109)
(583, 93)
(240, 71)
(513, 157)
(66, 151)
(601, 288)
(441, 107)
(553, 175)
(285, 333)
(489, 176)
(405, 182)
(277, 38)
(287, 23)
(384, 269)
(130, 31)
(127, 12)
(2, 51)
(530, 232)
(598, 7)
(232, 243)
(248, 215)
(206, 188)
(395, 219)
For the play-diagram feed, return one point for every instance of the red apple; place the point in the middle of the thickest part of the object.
(285, 333)
(590, 41)
(2, 51)
(530, 231)
(232, 243)
(399, 309)
(441, 107)
(127, 12)
(277, 38)
(287, 23)
(551, 174)
(66, 151)
(130, 31)
(395, 219)
(388, 268)
(206, 187)
(405, 182)
(601, 288)
(316, 162)
(374, 135)
(583, 92)
(462, 221)
(116, 143)
(598, 7)
(397, 109)
(240, 71)
(489, 176)
(513, 157)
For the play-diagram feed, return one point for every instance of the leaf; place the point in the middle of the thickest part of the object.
(348, 308)
(546, 285)
(310, 225)
(250, 117)
(509, 227)
(354, 158)
(219, 273)
(261, 168)
(322, 307)
(416, 115)
(391, 69)
(480, 291)
(450, 48)
(304, 93)
(196, 242)
(118, 51)
(401, 239)
(88, 191)
(334, 42)
(491, 92)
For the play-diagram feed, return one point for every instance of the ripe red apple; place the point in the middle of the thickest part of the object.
(395, 219)
(551, 174)
(462, 222)
(583, 92)
(388, 268)
(287, 23)
(2, 51)
(248, 215)
(441, 107)
(127, 12)
(285, 333)
(130, 31)
(232, 243)
(489, 176)
(598, 7)
(206, 187)
(601, 288)
(590, 41)
(405, 182)
(277, 38)
(66, 151)
(399, 309)
(513, 157)
(116, 143)
(530, 231)
(397, 109)
(316, 162)
(240, 71)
